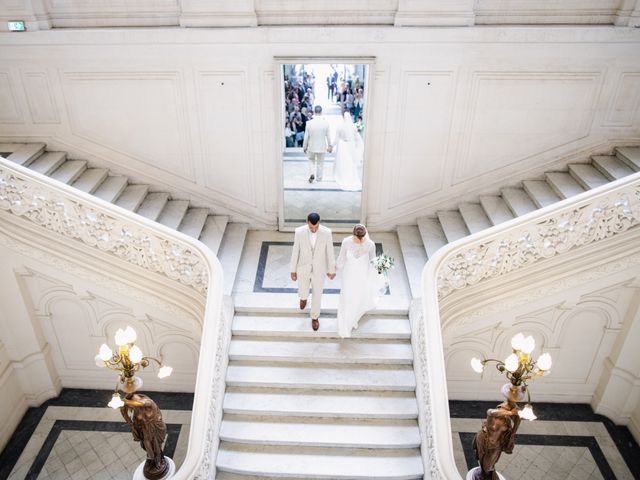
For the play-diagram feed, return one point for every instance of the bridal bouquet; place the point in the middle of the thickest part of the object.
(382, 263)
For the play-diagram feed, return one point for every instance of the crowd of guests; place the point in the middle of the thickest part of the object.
(299, 97)
(348, 93)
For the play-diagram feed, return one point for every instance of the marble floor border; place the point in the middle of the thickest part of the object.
(259, 287)
(173, 432)
(548, 440)
(74, 397)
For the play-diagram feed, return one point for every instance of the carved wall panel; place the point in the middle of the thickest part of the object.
(624, 110)
(513, 116)
(141, 114)
(42, 106)
(9, 106)
(225, 134)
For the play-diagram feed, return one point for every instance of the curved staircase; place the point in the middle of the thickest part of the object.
(419, 242)
(225, 239)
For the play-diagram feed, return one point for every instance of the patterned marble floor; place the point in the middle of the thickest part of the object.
(75, 436)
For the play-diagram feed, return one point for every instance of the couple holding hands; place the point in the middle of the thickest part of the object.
(312, 260)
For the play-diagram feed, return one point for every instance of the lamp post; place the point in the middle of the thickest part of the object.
(138, 410)
(499, 429)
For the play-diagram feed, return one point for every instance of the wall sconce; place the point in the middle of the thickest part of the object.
(499, 429)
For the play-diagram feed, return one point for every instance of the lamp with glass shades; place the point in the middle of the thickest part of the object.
(499, 428)
(126, 361)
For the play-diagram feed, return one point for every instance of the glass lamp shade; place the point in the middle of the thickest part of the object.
(99, 361)
(528, 344)
(164, 371)
(527, 413)
(544, 362)
(511, 363)
(116, 402)
(135, 354)
(516, 341)
(123, 337)
(105, 352)
(477, 365)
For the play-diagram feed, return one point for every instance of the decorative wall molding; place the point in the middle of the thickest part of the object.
(10, 111)
(40, 99)
(624, 107)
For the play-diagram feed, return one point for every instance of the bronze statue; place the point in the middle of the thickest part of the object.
(147, 426)
(497, 435)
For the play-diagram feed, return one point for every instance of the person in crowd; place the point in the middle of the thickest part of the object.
(289, 135)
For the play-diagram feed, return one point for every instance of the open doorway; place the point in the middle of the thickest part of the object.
(326, 103)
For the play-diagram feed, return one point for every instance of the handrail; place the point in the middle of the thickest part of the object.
(554, 230)
(148, 245)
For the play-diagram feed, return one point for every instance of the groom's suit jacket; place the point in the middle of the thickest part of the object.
(316, 135)
(320, 259)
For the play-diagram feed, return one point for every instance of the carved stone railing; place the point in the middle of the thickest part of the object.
(150, 246)
(595, 215)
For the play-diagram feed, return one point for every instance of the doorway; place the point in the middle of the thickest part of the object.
(327, 103)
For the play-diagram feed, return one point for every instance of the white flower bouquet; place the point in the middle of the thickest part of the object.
(382, 263)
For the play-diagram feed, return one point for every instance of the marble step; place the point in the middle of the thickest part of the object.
(111, 188)
(413, 252)
(91, 179)
(518, 201)
(611, 167)
(69, 171)
(320, 432)
(329, 377)
(214, 230)
(630, 156)
(48, 162)
(587, 176)
(289, 326)
(25, 154)
(540, 192)
(319, 462)
(496, 209)
(153, 204)
(563, 184)
(432, 235)
(173, 212)
(328, 403)
(132, 197)
(193, 222)
(474, 217)
(230, 252)
(453, 225)
(321, 351)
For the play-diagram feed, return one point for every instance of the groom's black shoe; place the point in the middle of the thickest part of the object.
(312, 178)
(303, 303)
(315, 324)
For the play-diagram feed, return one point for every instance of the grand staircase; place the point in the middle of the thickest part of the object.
(304, 404)
(224, 238)
(419, 242)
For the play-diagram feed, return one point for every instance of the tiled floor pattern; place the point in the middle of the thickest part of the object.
(76, 437)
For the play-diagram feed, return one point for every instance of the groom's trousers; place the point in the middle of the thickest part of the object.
(316, 164)
(315, 281)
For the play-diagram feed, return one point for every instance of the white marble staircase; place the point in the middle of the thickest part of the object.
(223, 238)
(304, 404)
(421, 241)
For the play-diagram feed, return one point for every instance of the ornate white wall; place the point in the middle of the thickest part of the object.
(454, 112)
(55, 314)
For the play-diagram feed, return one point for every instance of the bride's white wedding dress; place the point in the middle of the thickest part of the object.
(349, 151)
(361, 283)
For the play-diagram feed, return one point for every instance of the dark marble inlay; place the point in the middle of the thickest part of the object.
(258, 285)
(74, 397)
(561, 412)
(546, 440)
(173, 431)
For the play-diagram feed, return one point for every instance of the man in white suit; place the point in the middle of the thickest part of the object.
(312, 258)
(316, 143)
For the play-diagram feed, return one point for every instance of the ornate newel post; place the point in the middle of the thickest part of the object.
(138, 410)
(498, 432)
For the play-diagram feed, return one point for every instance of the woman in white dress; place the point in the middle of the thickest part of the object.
(361, 283)
(349, 152)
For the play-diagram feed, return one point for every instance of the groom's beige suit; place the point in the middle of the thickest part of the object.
(312, 263)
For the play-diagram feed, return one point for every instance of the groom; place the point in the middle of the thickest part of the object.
(312, 258)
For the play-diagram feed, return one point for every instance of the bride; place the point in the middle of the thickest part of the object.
(349, 152)
(360, 281)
